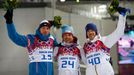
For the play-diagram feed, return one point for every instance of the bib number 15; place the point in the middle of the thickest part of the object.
(47, 57)
(94, 61)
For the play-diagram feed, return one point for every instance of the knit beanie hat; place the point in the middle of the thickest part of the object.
(67, 29)
(44, 23)
(92, 27)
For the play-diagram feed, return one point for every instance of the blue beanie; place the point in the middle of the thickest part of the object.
(92, 27)
(67, 29)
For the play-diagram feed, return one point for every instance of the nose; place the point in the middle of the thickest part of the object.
(90, 32)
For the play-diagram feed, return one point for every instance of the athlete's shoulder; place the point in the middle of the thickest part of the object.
(52, 37)
(31, 36)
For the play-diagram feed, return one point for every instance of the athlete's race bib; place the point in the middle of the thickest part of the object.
(41, 55)
(96, 58)
(68, 62)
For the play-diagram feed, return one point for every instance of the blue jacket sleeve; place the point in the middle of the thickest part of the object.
(18, 39)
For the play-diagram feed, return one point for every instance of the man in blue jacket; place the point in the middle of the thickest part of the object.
(40, 45)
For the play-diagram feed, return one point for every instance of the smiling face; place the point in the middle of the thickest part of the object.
(45, 30)
(68, 37)
(91, 34)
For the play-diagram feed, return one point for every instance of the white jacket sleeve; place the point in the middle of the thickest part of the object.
(55, 51)
(111, 39)
(83, 58)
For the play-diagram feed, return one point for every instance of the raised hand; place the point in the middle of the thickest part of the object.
(9, 16)
(123, 11)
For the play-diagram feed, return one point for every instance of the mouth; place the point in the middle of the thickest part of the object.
(90, 35)
(67, 40)
(45, 33)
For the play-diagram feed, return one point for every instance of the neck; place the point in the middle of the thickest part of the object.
(67, 44)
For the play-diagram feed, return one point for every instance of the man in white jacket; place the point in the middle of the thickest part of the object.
(97, 49)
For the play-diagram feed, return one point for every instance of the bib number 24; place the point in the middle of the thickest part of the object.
(65, 64)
